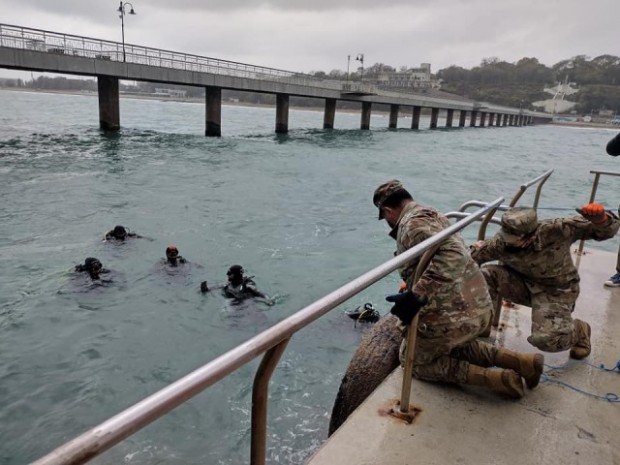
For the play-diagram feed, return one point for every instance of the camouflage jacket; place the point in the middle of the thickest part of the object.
(452, 281)
(547, 263)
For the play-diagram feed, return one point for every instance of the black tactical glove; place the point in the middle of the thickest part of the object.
(406, 305)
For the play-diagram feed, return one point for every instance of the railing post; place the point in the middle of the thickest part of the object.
(592, 197)
(412, 330)
(260, 388)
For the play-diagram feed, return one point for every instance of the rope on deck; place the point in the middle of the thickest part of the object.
(609, 397)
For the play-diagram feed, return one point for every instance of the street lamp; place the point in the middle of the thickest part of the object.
(121, 10)
(348, 64)
(360, 58)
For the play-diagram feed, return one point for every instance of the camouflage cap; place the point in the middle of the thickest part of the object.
(384, 191)
(517, 223)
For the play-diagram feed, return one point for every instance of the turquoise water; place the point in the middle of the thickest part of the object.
(294, 210)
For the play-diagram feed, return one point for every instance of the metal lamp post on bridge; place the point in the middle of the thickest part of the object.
(121, 10)
(360, 58)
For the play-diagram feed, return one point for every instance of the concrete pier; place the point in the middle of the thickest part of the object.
(415, 117)
(462, 117)
(366, 111)
(330, 113)
(491, 118)
(213, 100)
(28, 49)
(109, 111)
(449, 118)
(282, 104)
(505, 121)
(472, 119)
(393, 116)
(434, 117)
(483, 119)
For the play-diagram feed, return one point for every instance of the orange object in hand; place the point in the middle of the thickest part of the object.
(594, 212)
(402, 287)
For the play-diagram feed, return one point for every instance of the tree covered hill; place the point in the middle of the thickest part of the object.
(521, 83)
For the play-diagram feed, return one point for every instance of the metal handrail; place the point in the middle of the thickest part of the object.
(479, 203)
(100, 438)
(494, 220)
(597, 176)
(540, 180)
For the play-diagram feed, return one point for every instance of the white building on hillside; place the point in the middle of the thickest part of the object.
(412, 78)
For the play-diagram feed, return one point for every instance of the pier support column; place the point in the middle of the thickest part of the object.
(282, 113)
(483, 119)
(491, 116)
(511, 120)
(109, 109)
(415, 117)
(472, 119)
(434, 117)
(213, 102)
(366, 110)
(393, 116)
(462, 117)
(330, 113)
(505, 120)
(449, 118)
(498, 119)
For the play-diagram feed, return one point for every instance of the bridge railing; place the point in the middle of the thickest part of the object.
(271, 342)
(39, 40)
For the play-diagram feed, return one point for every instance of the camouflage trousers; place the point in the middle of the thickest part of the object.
(444, 352)
(552, 323)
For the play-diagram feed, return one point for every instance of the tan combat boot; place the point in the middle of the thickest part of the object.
(505, 382)
(581, 349)
(529, 366)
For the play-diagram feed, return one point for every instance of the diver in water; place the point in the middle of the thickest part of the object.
(93, 267)
(366, 313)
(120, 233)
(240, 287)
(172, 256)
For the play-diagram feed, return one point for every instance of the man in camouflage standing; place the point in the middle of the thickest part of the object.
(453, 302)
(537, 270)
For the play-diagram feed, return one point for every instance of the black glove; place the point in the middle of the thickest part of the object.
(204, 287)
(406, 305)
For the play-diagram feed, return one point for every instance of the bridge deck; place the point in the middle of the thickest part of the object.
(465, 425)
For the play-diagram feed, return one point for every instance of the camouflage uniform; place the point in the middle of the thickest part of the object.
(459, 307)
(540, 272)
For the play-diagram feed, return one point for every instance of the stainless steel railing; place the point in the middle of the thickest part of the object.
(272, 342)
(597, 177)
(540, 180)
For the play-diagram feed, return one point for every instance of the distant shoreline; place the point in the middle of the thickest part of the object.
(577, 124)
(174, 99)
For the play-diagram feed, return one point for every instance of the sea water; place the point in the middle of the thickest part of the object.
(294, 210)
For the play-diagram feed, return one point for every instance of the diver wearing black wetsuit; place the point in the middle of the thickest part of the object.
(240, 287)
(93, 267)
(119, 233)
(172, 256)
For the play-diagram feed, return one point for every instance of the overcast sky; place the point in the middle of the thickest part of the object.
(319, 34)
